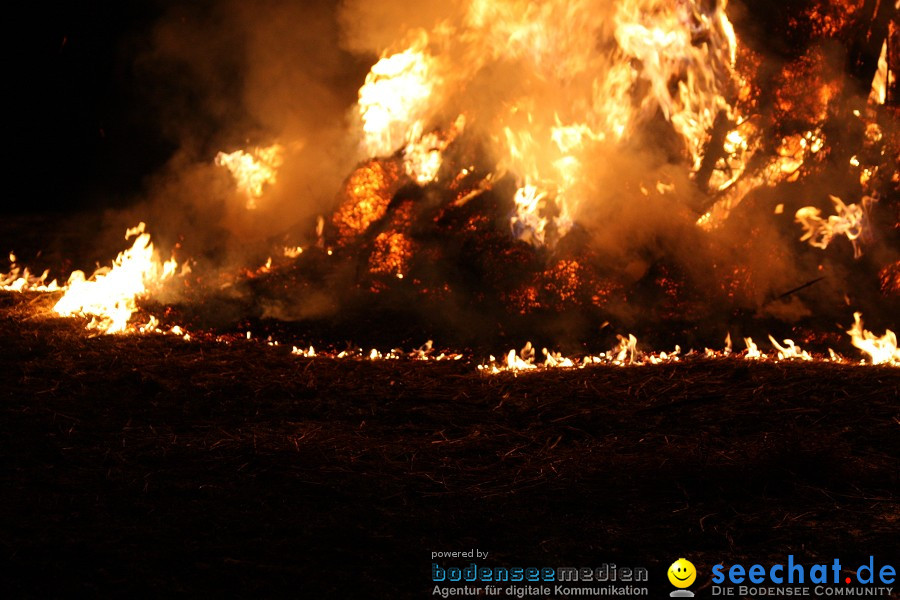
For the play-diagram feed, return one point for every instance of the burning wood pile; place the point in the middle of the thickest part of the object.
(568, 170)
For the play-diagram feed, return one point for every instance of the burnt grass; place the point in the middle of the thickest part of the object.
(150, 465)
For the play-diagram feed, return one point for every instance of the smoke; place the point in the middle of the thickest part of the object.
(584, 99)
(223, 76)
(373, 27)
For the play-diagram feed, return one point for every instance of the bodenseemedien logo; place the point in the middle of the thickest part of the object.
(682, 575)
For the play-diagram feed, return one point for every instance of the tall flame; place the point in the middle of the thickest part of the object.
(585, 77)
(878, 94)
(110, 295)
(396, 95)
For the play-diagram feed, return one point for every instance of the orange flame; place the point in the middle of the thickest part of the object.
(19, 279)
(849, 221)
(881, 350)
(254, 170)
(568, 98)
(110, 295)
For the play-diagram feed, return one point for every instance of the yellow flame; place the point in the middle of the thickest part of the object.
(849, 220)
(528, 223)
(753, 352)
(254, 170)
(422, 158)
(662, 37)
(881, 350)
(566, 98)
(791, 155)
(625, 353)
(555, 360)
(19, 279)
(789, 350)
(878, 94)
(395, 97)
(110, 295)
(626, 350)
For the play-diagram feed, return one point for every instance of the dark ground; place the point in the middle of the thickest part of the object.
(150, 465)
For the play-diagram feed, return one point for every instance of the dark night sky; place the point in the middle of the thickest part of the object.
(75, 127)
(89, 95)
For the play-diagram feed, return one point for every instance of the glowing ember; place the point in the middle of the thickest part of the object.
(110, 295)
(390, 254)
(253, 171)
(366, 196)
(890, 279)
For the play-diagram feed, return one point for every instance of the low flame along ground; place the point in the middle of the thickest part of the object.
(109, 298)
(571, 102)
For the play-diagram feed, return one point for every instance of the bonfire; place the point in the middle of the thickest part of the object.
(635, 171)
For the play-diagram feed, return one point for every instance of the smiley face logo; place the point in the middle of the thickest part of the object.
(682, 573)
